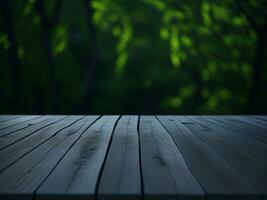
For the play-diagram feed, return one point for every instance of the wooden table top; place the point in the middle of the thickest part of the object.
(133, 157)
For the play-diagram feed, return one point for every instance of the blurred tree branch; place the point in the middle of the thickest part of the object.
(250, 19)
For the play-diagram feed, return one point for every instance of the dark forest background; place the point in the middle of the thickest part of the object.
(133, 56)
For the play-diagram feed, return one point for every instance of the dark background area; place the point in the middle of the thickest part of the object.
(129, 57)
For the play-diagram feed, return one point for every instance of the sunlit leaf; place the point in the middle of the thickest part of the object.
(4, 41)
(205, 8)
(159, 4)
(164, 33)
(174, 47)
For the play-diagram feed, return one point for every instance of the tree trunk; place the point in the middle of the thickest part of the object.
(47, 30)
(260, 30)
(6, 11)
(52, 82)
(197, 98)
(92, 59)
(257, 71)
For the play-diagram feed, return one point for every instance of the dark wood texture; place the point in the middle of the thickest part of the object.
(121, 173)
(133, 157)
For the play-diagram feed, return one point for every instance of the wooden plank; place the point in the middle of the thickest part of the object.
(243, 129)
(217, 177)
(29, 172)
(15, 121)
(185, 120)
(20, 126)
(12, 153)
(236, 136)
(245, 122)
(240, 121)
(121, 177)
(259, 121)
(261, 117)
(76, 175)
(165, 172)
(9, 139)
(241, 157)
(8, 117)
(251, 120)
(181, 158)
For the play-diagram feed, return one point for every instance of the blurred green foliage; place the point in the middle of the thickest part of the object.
(155, 56)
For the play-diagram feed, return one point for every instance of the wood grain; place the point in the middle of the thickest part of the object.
(57, 157)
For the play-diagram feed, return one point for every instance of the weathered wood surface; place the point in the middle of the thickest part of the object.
(133, 157)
